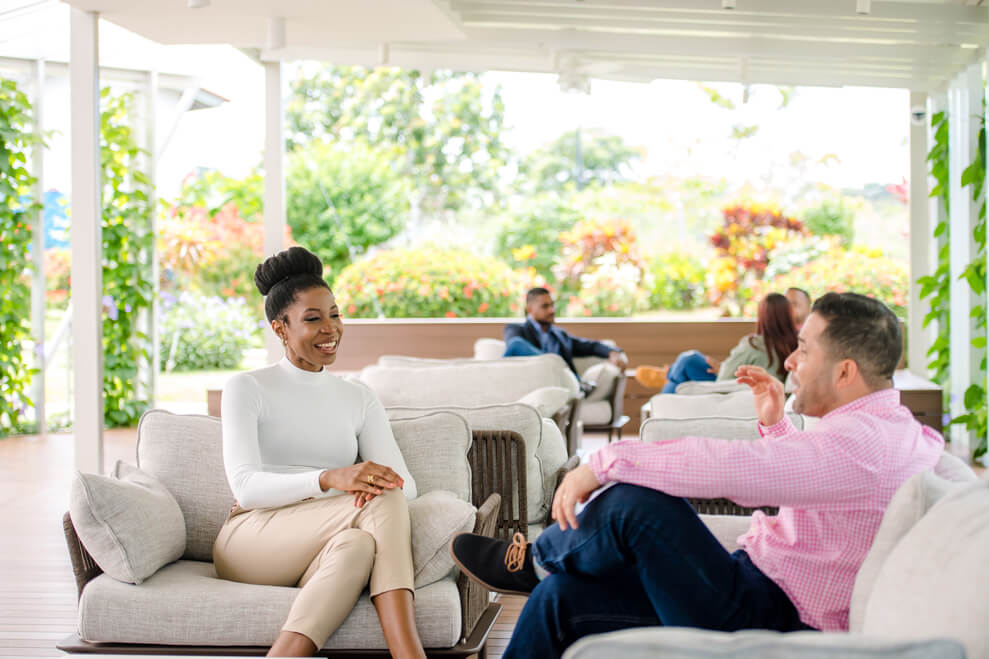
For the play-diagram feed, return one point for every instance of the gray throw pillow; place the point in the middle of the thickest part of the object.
(436, 517)
(129, 522)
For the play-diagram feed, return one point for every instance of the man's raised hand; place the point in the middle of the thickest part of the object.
(768, 392)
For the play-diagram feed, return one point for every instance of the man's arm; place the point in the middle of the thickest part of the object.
(590, 348)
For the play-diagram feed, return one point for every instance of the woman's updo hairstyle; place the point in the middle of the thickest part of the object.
(282, 276)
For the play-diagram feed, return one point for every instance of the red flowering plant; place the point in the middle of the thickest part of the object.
(743, 247)
(428, 283)
(586, 243)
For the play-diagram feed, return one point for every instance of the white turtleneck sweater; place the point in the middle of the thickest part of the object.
(282, 426)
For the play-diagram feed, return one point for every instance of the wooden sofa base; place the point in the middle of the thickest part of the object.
(476, 643)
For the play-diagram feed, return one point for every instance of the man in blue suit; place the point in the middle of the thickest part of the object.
(537, 335)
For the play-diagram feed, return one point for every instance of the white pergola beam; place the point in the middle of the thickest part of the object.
(912, 13)
(919, 338)
(274, 178)
(965, 107)
(87, 277)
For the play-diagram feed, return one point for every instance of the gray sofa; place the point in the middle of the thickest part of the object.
(141, 546)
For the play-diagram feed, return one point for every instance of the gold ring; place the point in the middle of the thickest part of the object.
(370, 479)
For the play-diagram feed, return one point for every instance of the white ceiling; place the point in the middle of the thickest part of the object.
(911, 44)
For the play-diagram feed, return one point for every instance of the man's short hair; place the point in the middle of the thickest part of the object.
(864, 330)
(801, 291)
(534, 293)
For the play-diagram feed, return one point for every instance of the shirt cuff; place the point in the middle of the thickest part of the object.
(599, 462)
(778, 429)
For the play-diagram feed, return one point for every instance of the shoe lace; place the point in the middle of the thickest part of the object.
(515, 556)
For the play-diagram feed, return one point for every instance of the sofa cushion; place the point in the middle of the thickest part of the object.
(468, 382)
(683, 643)
(934, 581)
(185, 453)
(675, 406)
(436, 517)
(909, 504)
(595, 412)
(719, 427)
(604, 374)
(695, 387)
(727, 529)
(487, 349)
(184, 603)
(435, 445)
(129, 522)
(547, 400)
(545, 449)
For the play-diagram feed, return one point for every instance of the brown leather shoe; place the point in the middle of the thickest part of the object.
(653, 377)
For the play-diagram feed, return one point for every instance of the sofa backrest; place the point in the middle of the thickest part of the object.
(185, 453)
(545, 448)
(927, 574)
(469, 383)
(677, 406)
(718, 427)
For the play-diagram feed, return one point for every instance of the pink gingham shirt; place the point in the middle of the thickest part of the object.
(832, 485)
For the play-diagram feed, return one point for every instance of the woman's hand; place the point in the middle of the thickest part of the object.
(366, 478)
(768, 393)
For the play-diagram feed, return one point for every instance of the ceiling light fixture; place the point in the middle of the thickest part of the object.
(276, 33)
(863, 7)
(384, 55)
(727, 4)
(198, 4)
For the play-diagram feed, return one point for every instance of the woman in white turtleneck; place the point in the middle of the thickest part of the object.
(308, 514)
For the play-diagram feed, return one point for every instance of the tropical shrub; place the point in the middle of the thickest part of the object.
(743, 244)
(427, 283)
(859, 270)
(58, 270)
(677, 281)
(797, 252)
(530, 237)
(610, 289)
(587, 242)
(831, 217)
(200, 332)
(342, 200)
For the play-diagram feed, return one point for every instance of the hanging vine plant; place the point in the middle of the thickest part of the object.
(127, 243)
(16, 210)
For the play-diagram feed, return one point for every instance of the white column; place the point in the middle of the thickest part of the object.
(965, 107)
(38, 254)
(87, 276)
(274, 178)
(919, 338)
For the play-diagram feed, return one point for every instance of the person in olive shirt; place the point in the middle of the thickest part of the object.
(774, 339)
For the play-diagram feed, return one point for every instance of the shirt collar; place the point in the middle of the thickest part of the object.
(884, 398)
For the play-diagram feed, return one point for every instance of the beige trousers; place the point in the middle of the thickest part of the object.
(327, 547)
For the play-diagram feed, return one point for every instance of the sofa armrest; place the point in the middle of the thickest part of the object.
(700, 643)
(474, 597)
(497, 464)
(84, 568)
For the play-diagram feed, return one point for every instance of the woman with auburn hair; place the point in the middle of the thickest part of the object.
(774, 339)
(320, 483)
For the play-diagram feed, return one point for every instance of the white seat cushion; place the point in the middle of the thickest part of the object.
(185, 603)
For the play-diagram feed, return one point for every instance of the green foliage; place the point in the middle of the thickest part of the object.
(677, 281)
(427, 283)
(831, 217)
(213, 191)
(860, 270)
(605, 159)
(974, 275)
(530, 237)
(936, 287)
(450, 146)
(338, 195)
(200, 332)
(16, 210)
(127, 243)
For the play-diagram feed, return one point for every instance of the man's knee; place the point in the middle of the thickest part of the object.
(519, 347)
(636, 499)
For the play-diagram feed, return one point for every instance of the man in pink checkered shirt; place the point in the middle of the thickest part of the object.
(638, 554)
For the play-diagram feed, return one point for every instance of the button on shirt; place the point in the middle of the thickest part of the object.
(832, 485)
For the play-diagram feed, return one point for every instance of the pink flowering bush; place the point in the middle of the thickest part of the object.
(428, 283)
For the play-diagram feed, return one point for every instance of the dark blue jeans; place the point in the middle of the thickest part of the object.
(689, 365)
(519, 347)
(641, 558)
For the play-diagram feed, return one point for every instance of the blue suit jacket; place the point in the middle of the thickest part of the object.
(570, 346)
